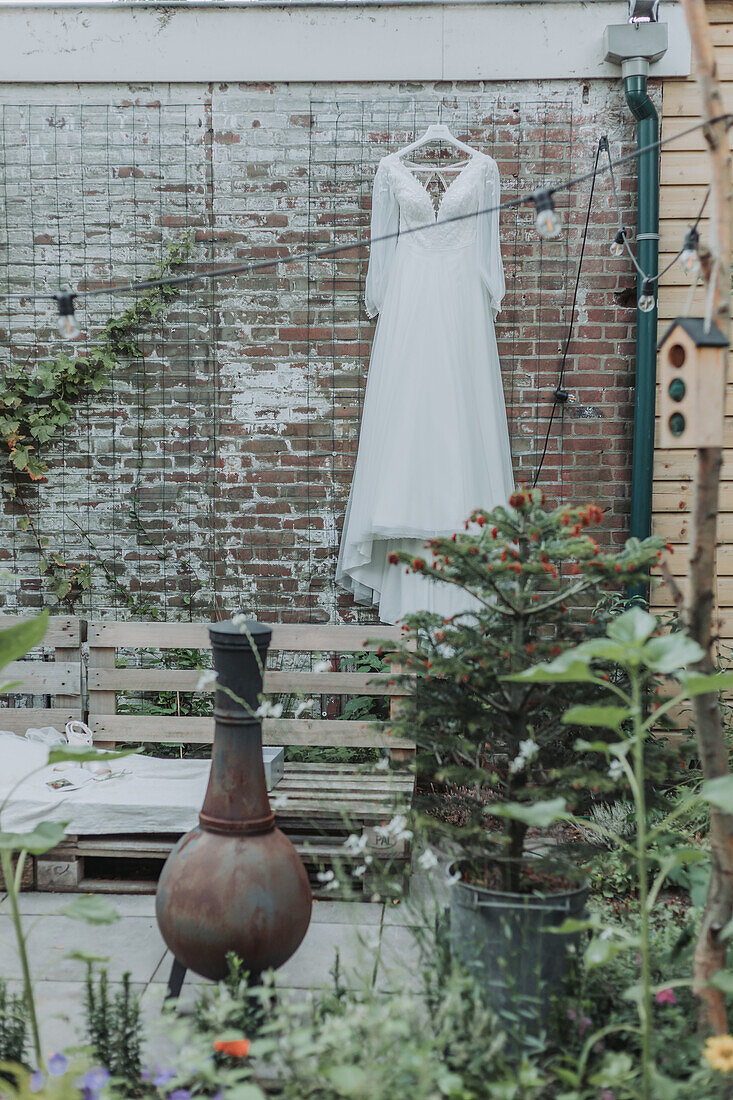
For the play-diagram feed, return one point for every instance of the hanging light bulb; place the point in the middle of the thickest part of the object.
(617, 244)
(547, 222)
(67, 324)
(647, 300)
(689, 257)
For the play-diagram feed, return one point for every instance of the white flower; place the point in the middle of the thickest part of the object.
(332, 885)
(206, 679)
(428, 860)
(616, 770)
(240, 620)
(325, 876)
(322, 666)
(306, 704)
(359, 871)
(454, 878)
(269, 710)
(355, 844)
(395, 830)
(527, 751)
(279, 801)
(382, 764)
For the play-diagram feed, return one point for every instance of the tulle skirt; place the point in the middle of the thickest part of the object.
(434, 442)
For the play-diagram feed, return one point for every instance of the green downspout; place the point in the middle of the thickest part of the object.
(647, 252)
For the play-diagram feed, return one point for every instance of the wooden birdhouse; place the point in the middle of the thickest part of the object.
(692, 369)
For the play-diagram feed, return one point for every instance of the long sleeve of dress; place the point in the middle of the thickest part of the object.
(385, 220)
(489, 245)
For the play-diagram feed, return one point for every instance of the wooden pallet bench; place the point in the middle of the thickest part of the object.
(317, 804)
(52, 671)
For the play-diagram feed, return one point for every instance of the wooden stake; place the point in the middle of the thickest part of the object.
(699, 613)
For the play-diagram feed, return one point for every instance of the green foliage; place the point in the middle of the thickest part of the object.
(37, 405)
(13, 1027)
(497, 744)
(633, 641)
(114, 1028)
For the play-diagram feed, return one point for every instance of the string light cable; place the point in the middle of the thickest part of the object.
(561, 395)
(542, 199)
(687, 255)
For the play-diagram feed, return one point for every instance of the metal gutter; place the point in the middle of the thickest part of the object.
(647, 252)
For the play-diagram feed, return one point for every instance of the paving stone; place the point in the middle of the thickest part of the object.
(400, 963)
(126, 905)
(133, 944)
(346, 912)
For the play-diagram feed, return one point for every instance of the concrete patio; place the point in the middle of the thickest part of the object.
(375, 942)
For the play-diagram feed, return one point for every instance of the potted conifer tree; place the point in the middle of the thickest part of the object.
(496, 761)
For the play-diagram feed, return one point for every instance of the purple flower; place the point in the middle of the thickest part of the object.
(179, 1094)
(584, 1023)
(58, 1065)
(95, 1079)
(146, 1074)
(163, 1077)
(37, 1081)
(571, 1014)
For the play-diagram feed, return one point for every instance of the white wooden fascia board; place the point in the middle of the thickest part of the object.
(359, 42)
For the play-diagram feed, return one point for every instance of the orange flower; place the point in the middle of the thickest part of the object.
(236, 1048)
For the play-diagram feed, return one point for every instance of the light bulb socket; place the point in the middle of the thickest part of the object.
(561, 395)
(542, 201)
(647, 288)
(692, 240)
(620, 237)
(65, 302)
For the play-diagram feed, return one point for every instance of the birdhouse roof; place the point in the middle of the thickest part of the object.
(703, 336)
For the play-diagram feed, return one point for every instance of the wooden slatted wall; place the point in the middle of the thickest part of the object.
(684, 178)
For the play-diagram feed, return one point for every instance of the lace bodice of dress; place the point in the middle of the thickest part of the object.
(401, 202)
(417, 208)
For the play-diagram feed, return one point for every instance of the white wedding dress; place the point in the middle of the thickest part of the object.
(434, 442)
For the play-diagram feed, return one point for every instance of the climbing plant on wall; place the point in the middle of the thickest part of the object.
(36, 405)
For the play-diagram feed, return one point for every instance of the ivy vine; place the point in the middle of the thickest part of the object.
(37, 405)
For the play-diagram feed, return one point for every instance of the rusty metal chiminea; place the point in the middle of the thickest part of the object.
(235, 882)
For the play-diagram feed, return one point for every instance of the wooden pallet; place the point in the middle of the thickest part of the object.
(323, 804)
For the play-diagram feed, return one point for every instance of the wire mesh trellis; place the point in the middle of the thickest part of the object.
(214, 472)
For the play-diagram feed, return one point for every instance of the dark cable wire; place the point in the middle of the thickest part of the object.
(361, 242)
(560, 395)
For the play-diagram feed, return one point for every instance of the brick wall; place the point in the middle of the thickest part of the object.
(215, 472)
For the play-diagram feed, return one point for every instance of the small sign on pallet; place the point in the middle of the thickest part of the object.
(692, 375)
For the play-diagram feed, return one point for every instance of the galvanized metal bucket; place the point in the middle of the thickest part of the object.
(507, 942)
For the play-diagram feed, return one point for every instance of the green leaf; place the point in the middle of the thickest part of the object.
(79, 754)
(549, 673)
(697, 684)
(46, 835)
(608, 717)
(719, 793)
(537, 814)
(601, 951)
(92, 909)
(633, 627)
(671, 652)
(722, 980)
(15, 641)
(571, 925)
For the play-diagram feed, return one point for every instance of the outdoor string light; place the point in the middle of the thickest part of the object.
(547, 221)
(548, 225)
(617, 244)
(689, 256)
(647, 300)
(67, 324)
